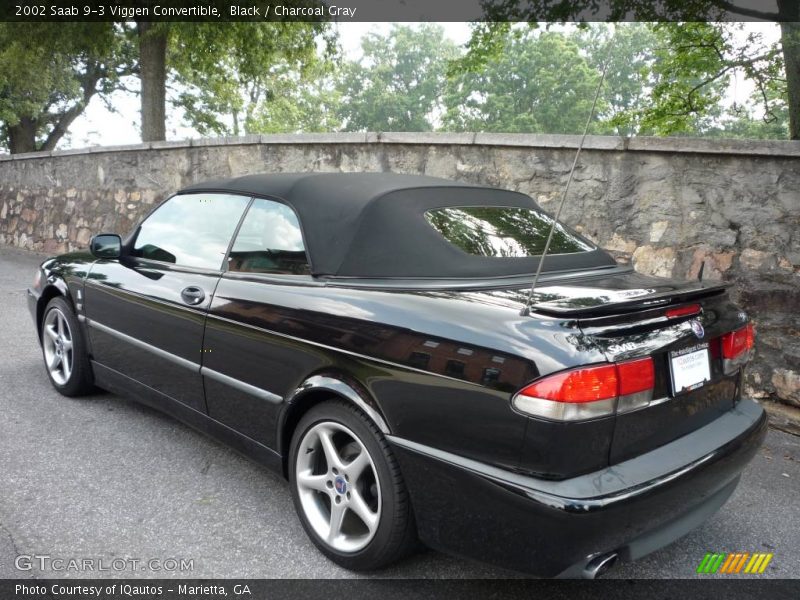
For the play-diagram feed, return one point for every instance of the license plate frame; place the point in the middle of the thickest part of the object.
(689, 368)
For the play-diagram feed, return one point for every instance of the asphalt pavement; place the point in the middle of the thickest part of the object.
(102, 478)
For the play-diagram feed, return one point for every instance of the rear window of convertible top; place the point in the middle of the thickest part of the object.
(501, 231)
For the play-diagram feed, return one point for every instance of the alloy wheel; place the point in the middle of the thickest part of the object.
(338, 486)
(57, 344)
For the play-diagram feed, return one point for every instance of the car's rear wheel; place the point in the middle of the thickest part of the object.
(64, 350)
(348, 490)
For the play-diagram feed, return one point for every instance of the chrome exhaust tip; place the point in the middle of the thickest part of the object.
(599, 565)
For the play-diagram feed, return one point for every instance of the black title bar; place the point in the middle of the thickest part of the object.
(394, 10)
(409, 589)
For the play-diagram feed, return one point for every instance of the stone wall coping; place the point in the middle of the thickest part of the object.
(785, 148)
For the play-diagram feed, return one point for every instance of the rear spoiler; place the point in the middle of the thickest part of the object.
(650, 301)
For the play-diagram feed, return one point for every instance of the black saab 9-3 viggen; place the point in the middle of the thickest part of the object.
(372, 337)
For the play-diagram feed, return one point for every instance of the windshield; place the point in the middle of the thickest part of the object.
(501, 231)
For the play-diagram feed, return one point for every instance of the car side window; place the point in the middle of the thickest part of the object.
(192, 230)
(269, 241)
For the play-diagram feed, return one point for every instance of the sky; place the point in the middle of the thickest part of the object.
(98, 126)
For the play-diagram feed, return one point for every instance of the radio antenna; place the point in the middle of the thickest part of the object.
(527, 309)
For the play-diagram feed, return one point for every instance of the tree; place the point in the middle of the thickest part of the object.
(743, 122)
(654, 89)
(399, 81)
(153, 39)
(693, 67)
(48, 74)
(763, 70)
(628, 74)
(224, 70)
(790, 42)
(251, 77)
(305, 102)
(539, 82)
(50, 71)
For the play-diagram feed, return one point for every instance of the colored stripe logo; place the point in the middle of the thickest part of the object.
(734, 562)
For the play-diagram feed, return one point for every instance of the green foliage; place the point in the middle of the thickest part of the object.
(611, 10)
(669, 78)
(302, 103)
(689, 80)
(693, 69)
(699, 55)
(237, 78)
(743, 121)
(50, 71)
(628, 49)
(397, 84)
(539, 82)
(487, 43)
(662, 79)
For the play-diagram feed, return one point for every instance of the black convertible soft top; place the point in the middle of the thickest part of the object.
(373, 225)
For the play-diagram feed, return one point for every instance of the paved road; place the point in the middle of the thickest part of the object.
(104, 478)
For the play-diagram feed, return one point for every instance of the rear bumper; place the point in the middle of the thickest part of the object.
(555, 527)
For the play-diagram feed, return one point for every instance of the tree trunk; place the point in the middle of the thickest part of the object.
(789, 15)
(153, 74)
(61, 126)
(790, 39)
(22, 136)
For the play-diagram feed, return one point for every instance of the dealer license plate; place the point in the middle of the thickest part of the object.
(690, 368)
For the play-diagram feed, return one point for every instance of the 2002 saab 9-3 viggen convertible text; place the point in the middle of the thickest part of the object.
(369, 337)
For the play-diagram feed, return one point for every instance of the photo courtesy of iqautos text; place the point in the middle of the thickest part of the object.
(404, 299)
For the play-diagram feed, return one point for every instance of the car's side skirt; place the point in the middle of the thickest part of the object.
(117, 383)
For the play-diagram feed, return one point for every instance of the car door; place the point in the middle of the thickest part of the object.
(146, 311)
(248, 367)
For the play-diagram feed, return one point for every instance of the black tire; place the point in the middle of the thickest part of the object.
(396, 535)
(80, 381)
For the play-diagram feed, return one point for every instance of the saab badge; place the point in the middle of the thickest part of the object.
(697, 328)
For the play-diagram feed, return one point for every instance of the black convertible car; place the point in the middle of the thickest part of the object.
(367, 336)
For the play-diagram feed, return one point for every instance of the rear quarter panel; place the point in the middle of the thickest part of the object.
(441, 366)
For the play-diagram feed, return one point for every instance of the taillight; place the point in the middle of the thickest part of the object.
(589, 392)
(736, 342)
(682, 311)
(737, 348)
(580, 385)
(636, 376)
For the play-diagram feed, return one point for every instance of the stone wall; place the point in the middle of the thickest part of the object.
(666, 204)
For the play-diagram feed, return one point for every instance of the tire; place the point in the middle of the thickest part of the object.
(320, 487)
(64, 350)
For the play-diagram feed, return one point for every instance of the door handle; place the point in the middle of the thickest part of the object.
(192, 295)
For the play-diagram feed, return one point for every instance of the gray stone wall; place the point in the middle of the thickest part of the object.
(666, 204)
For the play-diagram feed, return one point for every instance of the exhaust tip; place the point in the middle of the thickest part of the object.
(599, 565)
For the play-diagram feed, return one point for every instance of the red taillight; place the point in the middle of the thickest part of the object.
(636, 376)
(682, 311)
(751, 336)
(589, 392)
(581, 385)
(737, 348)
(736, 342)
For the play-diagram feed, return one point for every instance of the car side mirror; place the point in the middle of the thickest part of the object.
(106, 245)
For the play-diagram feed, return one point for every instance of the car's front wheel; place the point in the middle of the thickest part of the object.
(348, 490)
(64, 350)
